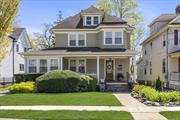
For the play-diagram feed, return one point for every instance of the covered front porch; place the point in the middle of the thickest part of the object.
(109, 68)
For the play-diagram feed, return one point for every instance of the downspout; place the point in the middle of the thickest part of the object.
(167, 77)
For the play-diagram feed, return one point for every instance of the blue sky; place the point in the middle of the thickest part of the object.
(34, 13)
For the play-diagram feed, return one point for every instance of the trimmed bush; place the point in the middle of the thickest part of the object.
(26, 77)
(166, 97)
(158, 84)
(138, 88)
(23, 87)
(65, 81)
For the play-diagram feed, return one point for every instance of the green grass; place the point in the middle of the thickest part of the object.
(66, 115)
(171, 115)
(87, 98)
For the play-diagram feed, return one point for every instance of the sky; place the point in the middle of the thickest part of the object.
(34, 13)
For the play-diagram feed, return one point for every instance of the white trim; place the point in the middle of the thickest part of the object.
(77, 61)
(92, 20)
(61, 63)
(77, 38)
(113, 36)
(174, 19)
(97, 68)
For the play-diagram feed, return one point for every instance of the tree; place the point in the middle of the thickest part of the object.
(47, 37)
(128, 11)
(8, 13)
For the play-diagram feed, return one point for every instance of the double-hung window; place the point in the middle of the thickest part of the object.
(113, 38)
(96, 20)
(43, 66)
(108, 38)
(21, 67)
(72, 39)
(77, 65)
(54, 64)
(77, 39)
(88, 20)
(81, 66)
(32, 66)
(118, 38)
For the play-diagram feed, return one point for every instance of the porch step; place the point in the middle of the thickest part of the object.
(117, 87)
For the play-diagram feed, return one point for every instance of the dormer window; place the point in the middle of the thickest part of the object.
(92, 20)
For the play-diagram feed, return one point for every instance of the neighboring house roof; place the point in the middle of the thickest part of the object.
(17, 32)
(164, 17)
(86, 49)
(76, 21)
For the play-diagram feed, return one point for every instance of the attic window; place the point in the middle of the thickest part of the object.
(96, 20)
(88, 20)
(92, 20)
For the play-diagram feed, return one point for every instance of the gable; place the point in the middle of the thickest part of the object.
(176, 20)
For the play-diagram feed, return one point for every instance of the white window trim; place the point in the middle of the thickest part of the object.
(77, 39)
(113, 37)
(77, 59)
(92, 20)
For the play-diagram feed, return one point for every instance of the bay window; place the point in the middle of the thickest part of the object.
(43, 66)
(113, 38)
(32, 66)
(54, 64)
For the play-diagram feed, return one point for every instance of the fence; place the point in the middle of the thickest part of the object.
(5, 81)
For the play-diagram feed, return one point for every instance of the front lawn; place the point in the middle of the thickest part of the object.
(171, 115)
(66, 115)
(86, 98)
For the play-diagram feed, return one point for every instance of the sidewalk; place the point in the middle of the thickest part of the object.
(138, 110)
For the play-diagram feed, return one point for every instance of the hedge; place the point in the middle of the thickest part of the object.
(26, 77)
(65, 81)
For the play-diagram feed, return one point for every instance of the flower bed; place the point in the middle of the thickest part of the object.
(150, 96)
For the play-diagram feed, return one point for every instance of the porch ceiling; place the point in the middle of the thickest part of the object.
(175, 54)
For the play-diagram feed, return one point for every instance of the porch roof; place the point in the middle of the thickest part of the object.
(85, 51)
(175, 54)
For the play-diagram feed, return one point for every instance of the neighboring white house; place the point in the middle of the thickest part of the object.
(21, 44)
(161, 51)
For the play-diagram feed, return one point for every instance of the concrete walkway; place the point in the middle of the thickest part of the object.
(138, 110)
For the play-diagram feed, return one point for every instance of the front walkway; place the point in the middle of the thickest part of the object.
(138, 110)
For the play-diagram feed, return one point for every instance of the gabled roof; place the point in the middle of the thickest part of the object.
(164, 17)
(17, 32)
(76, 21)
(93, 10)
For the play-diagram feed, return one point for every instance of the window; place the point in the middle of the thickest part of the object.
(151, 45)
(118, 39)
(77, 39)
(145, 52)
(73, 65)
(108, 38)
(77, 65)
(145, 70)
(43, 66)
(81, 66)
(21, 67)
(32, 66)
(113, 38)
(96, 20)
(54, 64)
(164, 40)
(150, 70)
(88, 20)
(81, 40)
(72, 39)
(163, 66)
(17, 47)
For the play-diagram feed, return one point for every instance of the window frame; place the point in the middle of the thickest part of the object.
(43, 66)
(51, 66)
(92, 20)
(21, 67)
(77, 62)
(164, 40)
(164, 66)
(36, 62)
(113, 37)
(77, 39)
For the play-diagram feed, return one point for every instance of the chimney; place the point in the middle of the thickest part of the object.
(178, 9)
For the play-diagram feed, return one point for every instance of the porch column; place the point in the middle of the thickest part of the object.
(61, 63)
(38, 65)
(98, 69)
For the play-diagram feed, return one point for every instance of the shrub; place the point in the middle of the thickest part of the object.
(26, 77)
(158, 84)
(23, 87)
(58, 81)
(138, 88)
(166, 97)
(91, 82)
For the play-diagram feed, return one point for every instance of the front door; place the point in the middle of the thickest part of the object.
(109, 70)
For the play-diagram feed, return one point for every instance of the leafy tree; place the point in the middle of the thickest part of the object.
(128, 11)
(8, 13)
(47, 37)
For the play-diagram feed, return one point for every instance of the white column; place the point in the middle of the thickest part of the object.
(48, 64)
(38, 65)
(98, 69)
(61, 63)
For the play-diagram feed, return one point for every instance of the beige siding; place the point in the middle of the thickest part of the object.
(61, 40)
(101, 69)
(92, 40)
(91, 66)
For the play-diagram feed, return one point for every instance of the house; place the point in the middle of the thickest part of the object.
(89, 42)
(21, 44)
(161, 51)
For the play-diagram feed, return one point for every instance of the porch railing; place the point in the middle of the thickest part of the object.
(175, 76)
